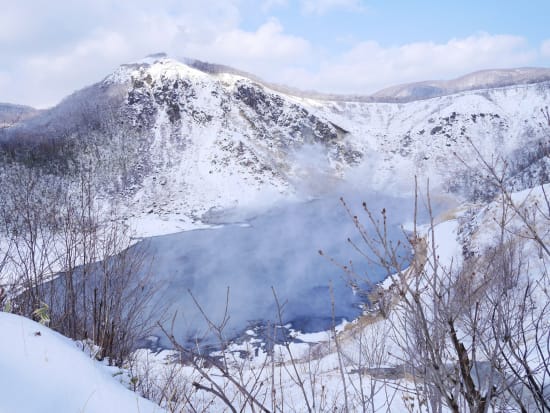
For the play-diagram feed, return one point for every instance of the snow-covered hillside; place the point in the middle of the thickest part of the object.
(42, 371)
(178, 142)
(483, 79)
(12, 114)
(379, 362)
(177, 146)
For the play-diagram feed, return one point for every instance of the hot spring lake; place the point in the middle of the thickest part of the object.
(278, 249)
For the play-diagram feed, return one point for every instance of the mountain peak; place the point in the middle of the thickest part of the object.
(162, 65)
(150, 59)
(154, 65)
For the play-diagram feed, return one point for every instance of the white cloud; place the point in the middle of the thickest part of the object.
(268, 5)
(50, 49)
(10, 27)
(545, 49)
(265, 49)
(50, 77)
(368, 67)
(4, 79)
(43, 78)
(53, 48)
(323, 6)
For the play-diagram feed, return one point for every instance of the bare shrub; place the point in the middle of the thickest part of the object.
(69, 255)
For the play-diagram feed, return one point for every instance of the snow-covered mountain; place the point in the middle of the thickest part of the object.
(472, 81)
(12, 114)
(184, 143)
(179, 141)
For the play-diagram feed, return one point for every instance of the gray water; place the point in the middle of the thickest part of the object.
(278, 249)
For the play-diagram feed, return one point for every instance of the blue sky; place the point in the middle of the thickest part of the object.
(51, 48)
(398, 22)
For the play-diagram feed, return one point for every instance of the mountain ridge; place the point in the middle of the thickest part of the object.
(390, 94)
(177, 144)
(11, 114)
(398, 93)
(482, 79)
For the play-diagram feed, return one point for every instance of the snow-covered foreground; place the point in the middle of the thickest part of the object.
(42, 371)
(368, 367)
(307, 373)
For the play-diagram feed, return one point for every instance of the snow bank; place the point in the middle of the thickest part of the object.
(42, 371)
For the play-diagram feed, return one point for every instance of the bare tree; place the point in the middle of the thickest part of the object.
(77, 260)
(472, 334)
(27, 212)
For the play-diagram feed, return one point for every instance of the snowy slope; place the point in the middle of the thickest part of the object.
(193, 143)
(11, 114)
(477, 80)
(42, 371)
(223, 140)
(243, 143)
(176, 143)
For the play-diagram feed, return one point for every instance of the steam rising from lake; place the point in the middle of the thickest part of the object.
(278, 249)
